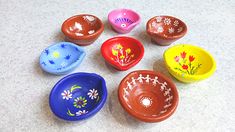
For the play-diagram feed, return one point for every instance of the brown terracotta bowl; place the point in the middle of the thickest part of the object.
(148, 96)
(82, 29)
(164, 30)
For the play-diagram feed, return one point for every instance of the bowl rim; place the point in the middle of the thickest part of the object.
(68, 68)
(128, 27)
(119, 67)
(96, 109)
(159, 118)
(166, 37)
(194, 77)
(73, 36)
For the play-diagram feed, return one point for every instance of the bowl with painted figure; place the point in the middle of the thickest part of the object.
(61, 58)
(189, 63)
(82, 29)
(148, 96)
(78, 96)
(123, 20)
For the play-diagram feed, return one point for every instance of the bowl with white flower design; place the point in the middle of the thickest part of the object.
(148, 96)
(189, 63)
(82, 29)
(61, 58)
(123, 20)
(164, 30)
(122, 52)
(78, 96)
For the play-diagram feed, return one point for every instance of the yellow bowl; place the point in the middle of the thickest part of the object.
(189, 63)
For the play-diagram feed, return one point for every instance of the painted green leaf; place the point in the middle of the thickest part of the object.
(69, 113)
(74, 87)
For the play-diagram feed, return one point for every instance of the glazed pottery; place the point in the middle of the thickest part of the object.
(78, 96)
(122, 52)
(148, 96)
(61, 58)
(82, 29)
(189, 63)
(164, 30)
(123, 20)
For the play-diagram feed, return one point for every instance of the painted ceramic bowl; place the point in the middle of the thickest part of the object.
(148, 96)
(78, 96)
(82, 29)
(164, 30)
(122, 52)
(123, 20)
(189, 63)
(61, 58)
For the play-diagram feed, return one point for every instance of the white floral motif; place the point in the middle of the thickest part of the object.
(176, 23)
(160, 29)
(146, 102)
(158, 19)
(66, 95)
(91, 31)
(77, 26)
(154, 25)
(92, 93)
(81, 112)
(180, 29)
(171, 30)
(79, 34)
(89, 18)
(167, 21)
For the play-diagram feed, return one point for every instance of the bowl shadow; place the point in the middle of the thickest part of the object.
(122, 117)
(109, 30)
(59, 37)
(159, 66)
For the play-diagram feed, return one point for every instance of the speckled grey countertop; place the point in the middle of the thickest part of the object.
(29, 26)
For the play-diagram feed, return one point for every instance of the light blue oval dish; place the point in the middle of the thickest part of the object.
(61, 58)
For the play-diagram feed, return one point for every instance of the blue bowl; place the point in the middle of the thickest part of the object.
(78, 96)
(61, 58)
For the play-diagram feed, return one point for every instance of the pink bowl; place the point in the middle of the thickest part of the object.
(123, 20)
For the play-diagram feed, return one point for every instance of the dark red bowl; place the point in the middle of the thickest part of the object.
(164, 30)
(82, 29)
(148, 96)
(122, 52)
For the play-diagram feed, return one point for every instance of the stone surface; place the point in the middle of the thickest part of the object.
(29, 26)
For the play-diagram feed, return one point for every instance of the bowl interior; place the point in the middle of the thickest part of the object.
(166, 26)
(122, 51)
(189, 60)
(147, 94)
(76, 96)
(61, 56)
(123, 18)
(82, 25)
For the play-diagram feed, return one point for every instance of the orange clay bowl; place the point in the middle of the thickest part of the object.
(164, 30)
(148, 96)
(82, 29)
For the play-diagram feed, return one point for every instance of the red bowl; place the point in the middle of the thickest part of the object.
(164, 30)
(122, 52)
(148, 96)
(82, 29)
